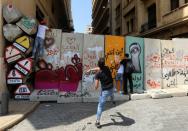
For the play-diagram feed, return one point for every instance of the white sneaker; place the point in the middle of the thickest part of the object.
(121, 93)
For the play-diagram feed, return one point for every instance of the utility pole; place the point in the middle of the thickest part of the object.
(3, 88)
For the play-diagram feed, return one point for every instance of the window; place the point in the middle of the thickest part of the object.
(39, 14)
(118, 15)
(129, 20)
(174, 4)
(118, 11)
(152, 16)
(132, 25)
(53, 9)
(118, 31)
(128, 30)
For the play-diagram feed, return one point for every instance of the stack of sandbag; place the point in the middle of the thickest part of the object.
(11, 32)
(11, 14)
(18, 31)
(28, 25)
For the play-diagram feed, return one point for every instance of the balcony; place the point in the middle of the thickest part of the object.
(104, 14)
(102, 23)
(144, 27)
(147, 26)
(102, 5)
(176, 15)
(152, 24)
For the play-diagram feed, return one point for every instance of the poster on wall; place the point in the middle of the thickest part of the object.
(181, 53)
(71, 65)
(152, 58)
(135, 49)
(52, 46)
(93, 49)
(168, 57)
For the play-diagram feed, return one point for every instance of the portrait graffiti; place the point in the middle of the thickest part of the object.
(135, 51)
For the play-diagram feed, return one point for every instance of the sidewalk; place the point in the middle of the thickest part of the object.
(87, 111)
(17, 112)
(140, 115)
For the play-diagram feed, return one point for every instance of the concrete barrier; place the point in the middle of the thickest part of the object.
(159, 94)
(177, 92)
(140, 96)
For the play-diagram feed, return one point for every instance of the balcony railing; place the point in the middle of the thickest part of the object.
(144, 27)
(151, 24)
(147, 26)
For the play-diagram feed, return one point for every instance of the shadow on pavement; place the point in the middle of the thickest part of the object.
(125, 120)
(52, 114)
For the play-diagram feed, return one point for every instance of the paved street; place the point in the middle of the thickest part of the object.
(142, 115)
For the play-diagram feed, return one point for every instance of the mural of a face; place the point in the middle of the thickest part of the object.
(135, 51)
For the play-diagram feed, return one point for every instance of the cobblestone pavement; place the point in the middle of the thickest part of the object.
(169, 114)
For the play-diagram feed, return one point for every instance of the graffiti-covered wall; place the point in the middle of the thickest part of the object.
(181, 54)
(52, 46)
(114, 52)
(46, 76)
(71, 64)
(152, 64)
(135, 49)
(168, 64)
(68, 57)
(72, 44)
(93, 49)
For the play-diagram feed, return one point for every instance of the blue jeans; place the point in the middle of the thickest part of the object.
(119, 77)
(38, 47)
(102, 100)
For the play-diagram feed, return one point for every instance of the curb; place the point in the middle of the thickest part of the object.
(16, 119)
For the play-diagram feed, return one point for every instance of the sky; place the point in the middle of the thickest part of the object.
(81, 12)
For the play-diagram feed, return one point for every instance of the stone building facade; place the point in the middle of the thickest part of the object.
(164, 19)
(101, 15)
